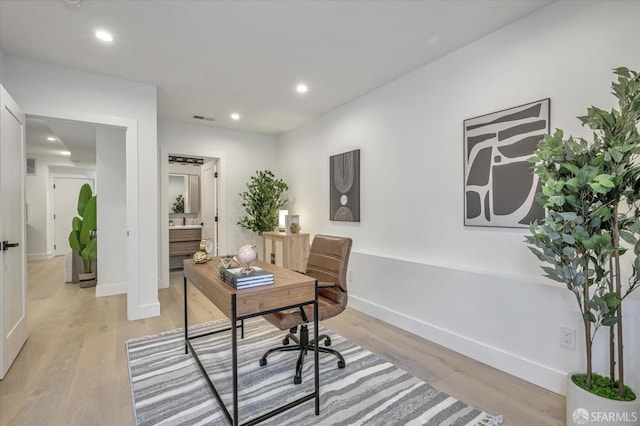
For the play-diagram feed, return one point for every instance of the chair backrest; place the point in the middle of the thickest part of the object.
(328, 262)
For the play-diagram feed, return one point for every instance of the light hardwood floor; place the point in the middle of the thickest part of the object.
(73, 368)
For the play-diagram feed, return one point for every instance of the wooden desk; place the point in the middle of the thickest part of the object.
(289, 290)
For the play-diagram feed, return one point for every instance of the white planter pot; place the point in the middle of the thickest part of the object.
(585, 408)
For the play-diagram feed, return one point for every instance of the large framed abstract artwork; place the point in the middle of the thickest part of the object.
(344, 187)
(499, 183)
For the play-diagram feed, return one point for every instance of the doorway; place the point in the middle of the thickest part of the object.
(192, 200)
(212, 202)
(85, 152)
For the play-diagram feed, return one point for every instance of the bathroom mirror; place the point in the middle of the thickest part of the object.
(184, 193)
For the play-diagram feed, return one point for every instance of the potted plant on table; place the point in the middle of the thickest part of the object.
(591, 190)
(262, 200)
(83, 238)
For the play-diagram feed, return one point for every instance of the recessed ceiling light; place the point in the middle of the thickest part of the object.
(104, 36)
(51, 138)
(302, 88)
(66, 153)
(235, 116)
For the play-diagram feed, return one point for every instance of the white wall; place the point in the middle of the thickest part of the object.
(478, 291)
(240, 155)
(112, 210)
(1, 67)
(52, 91)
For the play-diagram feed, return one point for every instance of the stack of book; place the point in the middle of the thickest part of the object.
(239, 280)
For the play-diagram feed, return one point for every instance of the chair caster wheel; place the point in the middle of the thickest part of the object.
(327, 341)
(285, 341)
(341, 364)
(263, 362)
(297, 380)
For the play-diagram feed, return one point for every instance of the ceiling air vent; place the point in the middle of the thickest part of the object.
(31, 167)
(202, 117)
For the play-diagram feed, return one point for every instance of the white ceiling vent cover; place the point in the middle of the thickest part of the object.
(31, 167)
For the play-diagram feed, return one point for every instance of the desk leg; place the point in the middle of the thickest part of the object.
(315, 350)
(186, 325)
(234, 358)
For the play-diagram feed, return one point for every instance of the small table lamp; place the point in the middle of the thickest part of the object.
(281, 215)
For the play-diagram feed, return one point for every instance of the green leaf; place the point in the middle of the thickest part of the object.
(572, 183)
(609, 321)
(616, 155)
(90, 220)
(571, 167)
(570, 252)
(568, 239)
(91, 250)
(538, 254)
(612, 299)
(568, 216)
(604, 180)
(588, 243)
(628, 236)
(74, 240)
(588, 315)
(83, 198)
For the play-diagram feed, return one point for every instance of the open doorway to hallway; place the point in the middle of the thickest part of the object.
(67, 154)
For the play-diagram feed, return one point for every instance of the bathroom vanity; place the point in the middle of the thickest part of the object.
(184, 240)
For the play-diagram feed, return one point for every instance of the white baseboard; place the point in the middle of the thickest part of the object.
(144, 311)
(110, 289)
(38, 256)
(523, 368)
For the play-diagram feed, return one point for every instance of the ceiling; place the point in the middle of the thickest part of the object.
(212, 58)
(76, 141)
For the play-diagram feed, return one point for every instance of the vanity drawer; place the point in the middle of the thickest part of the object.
(184, 241)
(183, 247)
(185, 235)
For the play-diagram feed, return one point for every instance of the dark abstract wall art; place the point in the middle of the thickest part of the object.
(344, 187)
(499, 183)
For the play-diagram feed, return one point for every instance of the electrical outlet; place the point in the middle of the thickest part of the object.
(567, 337)
(349, 276)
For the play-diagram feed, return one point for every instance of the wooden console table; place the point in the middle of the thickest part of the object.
(289, 290)
(290, 251)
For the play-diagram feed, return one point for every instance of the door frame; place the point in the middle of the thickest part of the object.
(135, 309)
(164, 204)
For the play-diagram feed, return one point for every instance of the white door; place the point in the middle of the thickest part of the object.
(65, 208)
(13, 281)
(210, 203)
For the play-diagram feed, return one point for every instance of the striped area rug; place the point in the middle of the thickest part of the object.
(168, 389)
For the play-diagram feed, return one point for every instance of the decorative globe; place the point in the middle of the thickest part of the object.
(247, 255)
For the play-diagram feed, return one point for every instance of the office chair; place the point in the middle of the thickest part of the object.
(328, 261)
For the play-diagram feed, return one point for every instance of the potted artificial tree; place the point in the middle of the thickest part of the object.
(262, 200)
(83, 239)
(591, 191)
